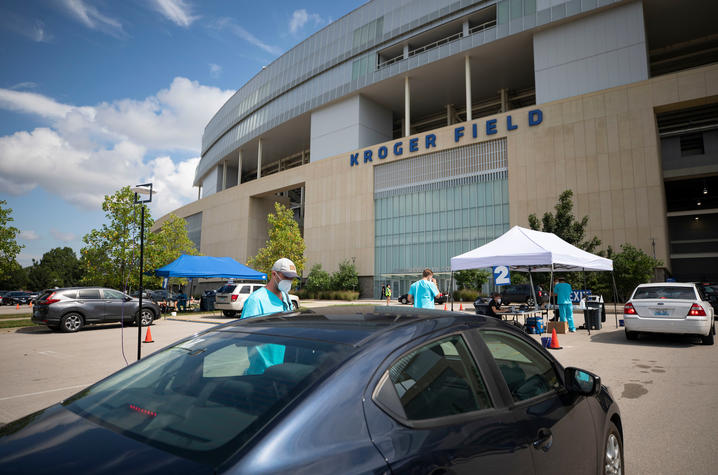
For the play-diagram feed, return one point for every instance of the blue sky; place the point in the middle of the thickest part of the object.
(97, 94)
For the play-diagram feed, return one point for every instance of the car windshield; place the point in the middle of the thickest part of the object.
(206, 397)
(665, 292)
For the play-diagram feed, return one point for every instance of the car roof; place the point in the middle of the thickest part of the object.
(672, 284)
(355, 325)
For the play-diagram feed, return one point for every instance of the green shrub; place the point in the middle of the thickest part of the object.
(327, 294)
(465, 295)
(318, 279)
(346, 278)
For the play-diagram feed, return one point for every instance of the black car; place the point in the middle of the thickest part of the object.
(16, 297)
(70, 309)
(365, 389)
(438, 300)
(521, 293)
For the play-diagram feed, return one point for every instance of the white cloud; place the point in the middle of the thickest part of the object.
(38, 32)
(177, 11)
(215, 70)
(30, 28)
(62, 236)
(23, 85)
(87, 152)
(91, 17)
(228, 24)
(300, 18)
(28, 235)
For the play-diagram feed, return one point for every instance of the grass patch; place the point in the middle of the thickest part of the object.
(25, 322)
(15, 315)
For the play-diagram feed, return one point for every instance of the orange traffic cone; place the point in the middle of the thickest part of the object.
(461, 307)
(444, 306)
(30, 304)
(148, 336)
(554, 341)
(17, 306)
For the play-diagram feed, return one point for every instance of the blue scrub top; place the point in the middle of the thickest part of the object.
(563, 293)
(423, 292)
(264, 302)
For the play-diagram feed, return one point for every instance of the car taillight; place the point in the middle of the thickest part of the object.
(234, 297)
(628, 309)
(49, 299)
(696, 311)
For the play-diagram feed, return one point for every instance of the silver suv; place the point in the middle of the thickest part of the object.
(70, 309)
(231, 296)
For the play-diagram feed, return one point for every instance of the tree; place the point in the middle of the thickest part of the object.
(471, 279)
(111, 256)
(9, 248)
(16, 277)
(169, 242)
(285, 240)
(632, 266)
(318, 279)
(346, 277)
(564, 225)
(59, 267)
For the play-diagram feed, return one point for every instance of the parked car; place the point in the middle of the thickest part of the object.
(70, 309)
(710, 293)
(16, 297)
(231, 296)
(146, 294)
(521, 293)
(358, 389)
(669, 308)
(443, 297)
(163, 295)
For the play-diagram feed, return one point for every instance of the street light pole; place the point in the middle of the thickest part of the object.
(145, 189)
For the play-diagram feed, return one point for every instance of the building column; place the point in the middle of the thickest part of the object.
(504, 100)
(465, 29)
(224, 175)
(407, 108)
(199, 192)
(259, 160)
(239, 168)
(406, 51)
(467, 68)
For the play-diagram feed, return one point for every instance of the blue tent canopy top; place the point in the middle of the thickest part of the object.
(207, 267)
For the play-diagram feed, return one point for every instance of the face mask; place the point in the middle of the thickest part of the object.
(284, 285)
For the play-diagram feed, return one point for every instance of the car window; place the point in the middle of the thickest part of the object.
(88, 294)
(246, 289)
(114, 294)
(226, 289)
(70, 294)
(256, 287)
(664, 292)
(199, 400)
(526, 371)
(439, 379)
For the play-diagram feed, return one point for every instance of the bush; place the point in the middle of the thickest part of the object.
(465, 295)
(471, 279)
(346, 278)
(318, 279)
(327, 294)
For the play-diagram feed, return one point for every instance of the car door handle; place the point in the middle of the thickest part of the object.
(544, 440)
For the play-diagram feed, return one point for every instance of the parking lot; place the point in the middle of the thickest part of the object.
(666, 386)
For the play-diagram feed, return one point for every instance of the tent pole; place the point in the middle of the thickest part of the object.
(451, 292)
(585, 321)
(550, 294)
(615, 297)
(533, 289)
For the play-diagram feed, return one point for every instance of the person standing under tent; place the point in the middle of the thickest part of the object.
(565, 306)
(423, 291)
(272, 298)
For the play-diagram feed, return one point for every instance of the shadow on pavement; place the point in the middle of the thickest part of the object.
(618, 337)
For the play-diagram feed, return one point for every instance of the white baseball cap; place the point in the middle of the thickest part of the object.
(286, 267)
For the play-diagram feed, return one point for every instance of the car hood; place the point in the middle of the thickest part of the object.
(56, 440)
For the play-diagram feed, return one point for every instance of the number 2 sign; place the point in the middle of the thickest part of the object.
(501, 275)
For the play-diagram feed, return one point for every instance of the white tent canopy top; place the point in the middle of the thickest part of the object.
(523, 249)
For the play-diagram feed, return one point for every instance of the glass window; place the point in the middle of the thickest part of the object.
(526, 371)
(516, 9)
(88, 294)
(226, 289)
(439, 379)
(503, 12)
(664, 292)
(245, 289)
(113, 294)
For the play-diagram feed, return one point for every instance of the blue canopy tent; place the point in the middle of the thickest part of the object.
(204, 267)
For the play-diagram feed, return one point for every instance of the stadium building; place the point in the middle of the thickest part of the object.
(407, 132)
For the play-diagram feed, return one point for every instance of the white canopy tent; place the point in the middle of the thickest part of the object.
(529, 251)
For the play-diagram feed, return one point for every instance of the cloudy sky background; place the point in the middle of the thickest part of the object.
(99, 94)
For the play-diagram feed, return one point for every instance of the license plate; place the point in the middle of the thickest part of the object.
(661, 313)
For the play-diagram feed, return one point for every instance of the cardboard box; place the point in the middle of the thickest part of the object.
(561, 327)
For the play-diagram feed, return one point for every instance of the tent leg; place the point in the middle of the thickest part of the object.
(585, 321)
(550, 296)
(451, 291)
(533, 289)
(615, 297)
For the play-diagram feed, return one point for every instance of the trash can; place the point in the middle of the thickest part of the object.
(593, 318)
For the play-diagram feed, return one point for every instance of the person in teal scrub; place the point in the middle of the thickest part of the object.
(273, 298)
(423, 291)
(565, 306)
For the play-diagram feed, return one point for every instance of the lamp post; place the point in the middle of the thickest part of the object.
(145, 189)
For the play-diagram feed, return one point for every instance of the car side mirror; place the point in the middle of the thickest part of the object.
(582, 382)
(127, 298)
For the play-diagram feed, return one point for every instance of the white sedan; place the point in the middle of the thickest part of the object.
(669, 308)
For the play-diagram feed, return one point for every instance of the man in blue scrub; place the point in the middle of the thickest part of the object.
(273, 298)
(565, 306)
(423, 291)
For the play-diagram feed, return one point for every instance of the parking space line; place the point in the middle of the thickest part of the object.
(44, 392)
